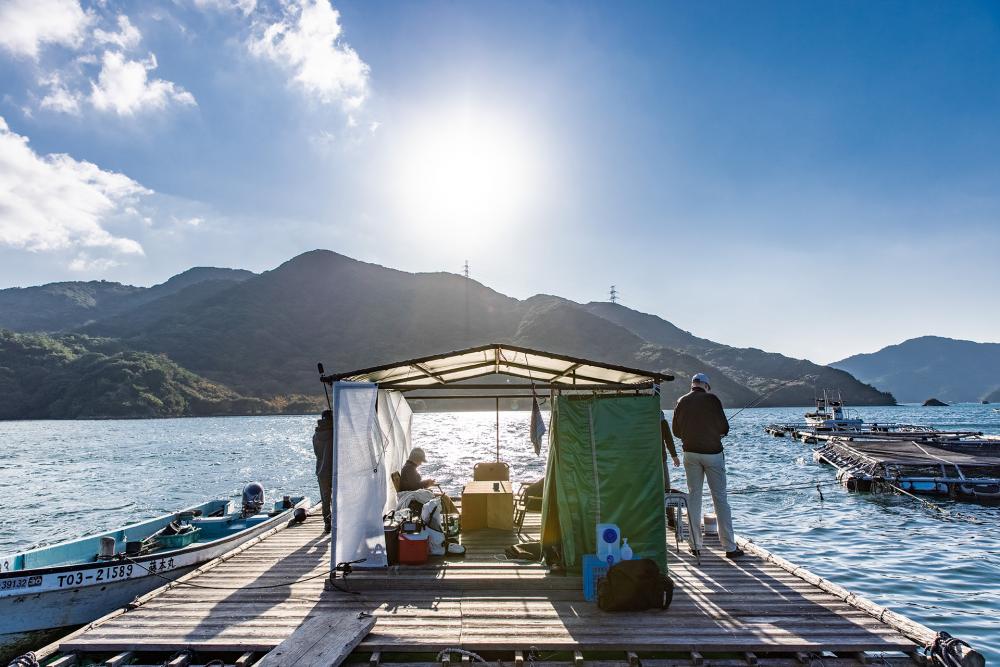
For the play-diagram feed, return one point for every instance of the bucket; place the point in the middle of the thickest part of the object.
(711, 524)
(413, 548)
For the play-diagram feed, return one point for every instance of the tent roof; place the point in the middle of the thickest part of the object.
(499, 358)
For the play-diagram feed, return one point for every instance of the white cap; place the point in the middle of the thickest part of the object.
(701, 378)
(417, 455)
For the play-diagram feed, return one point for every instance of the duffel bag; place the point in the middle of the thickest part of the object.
(634, 585)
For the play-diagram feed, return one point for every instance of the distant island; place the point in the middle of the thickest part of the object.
(222, 341)
(934, 403)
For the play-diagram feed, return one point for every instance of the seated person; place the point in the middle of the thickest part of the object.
(409, 476)
(410, 480)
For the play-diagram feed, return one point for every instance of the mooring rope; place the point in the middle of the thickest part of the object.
(224, 588)
(462, 651)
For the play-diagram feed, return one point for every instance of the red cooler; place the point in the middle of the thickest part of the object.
(413, 548)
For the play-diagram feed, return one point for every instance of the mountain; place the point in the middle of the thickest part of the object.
(784, 380)
(69, 305)
(954, 371)
(73, 376)
(261, 335)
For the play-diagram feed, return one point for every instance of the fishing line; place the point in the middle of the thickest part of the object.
(766, 396)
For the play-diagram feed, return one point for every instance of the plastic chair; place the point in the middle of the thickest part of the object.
(679, 501)
(395, 477)
(491, 471)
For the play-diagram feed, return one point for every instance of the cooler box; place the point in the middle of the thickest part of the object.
(594, 569)
(413, 548)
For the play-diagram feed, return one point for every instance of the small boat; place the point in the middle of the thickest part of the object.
(830, 415)
(77, 581)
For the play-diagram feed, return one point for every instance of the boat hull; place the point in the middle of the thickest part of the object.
(38, 600)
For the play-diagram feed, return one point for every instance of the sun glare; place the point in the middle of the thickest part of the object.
(465, 175)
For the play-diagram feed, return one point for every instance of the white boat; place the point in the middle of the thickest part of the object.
(77, 581)
(831, 416)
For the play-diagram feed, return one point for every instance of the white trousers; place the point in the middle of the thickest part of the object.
(698, 467)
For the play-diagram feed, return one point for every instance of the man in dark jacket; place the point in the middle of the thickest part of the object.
(323, 448)
(701, 424)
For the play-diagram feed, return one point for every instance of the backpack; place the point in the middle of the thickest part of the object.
(635, 585)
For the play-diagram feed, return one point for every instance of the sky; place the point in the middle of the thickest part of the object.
(817, 179)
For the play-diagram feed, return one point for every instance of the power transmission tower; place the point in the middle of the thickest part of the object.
(465, 270)
(613, 295)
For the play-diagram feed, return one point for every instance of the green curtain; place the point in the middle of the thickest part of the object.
(605, 466)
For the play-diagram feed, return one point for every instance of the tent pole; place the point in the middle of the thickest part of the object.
(498, 429)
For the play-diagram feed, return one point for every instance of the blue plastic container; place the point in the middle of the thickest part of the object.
(594, 569)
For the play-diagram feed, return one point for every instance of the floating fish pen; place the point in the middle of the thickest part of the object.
(875, 432)
(298, 596)
(965, 471)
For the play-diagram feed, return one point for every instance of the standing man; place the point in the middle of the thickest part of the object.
(323, 448)
(701, 424)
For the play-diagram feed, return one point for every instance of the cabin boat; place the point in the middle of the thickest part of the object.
(830, 415)
(77, 581)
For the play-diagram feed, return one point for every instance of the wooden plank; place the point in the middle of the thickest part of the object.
(65, 661)
(183, 660)
(119, 660)
(244, 660)
(326, 639)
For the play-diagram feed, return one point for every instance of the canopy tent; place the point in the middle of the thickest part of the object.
(500, 359)
(372, 437)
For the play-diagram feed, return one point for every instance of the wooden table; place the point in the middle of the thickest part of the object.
(486, 507)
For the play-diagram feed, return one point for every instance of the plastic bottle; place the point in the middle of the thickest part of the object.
(626, 552)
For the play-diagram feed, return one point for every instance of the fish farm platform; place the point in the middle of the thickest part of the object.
(757, 610)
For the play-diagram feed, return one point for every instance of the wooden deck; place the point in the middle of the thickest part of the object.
(485, 603)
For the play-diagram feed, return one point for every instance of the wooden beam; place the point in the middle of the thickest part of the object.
(182, 660)
(119, 660)
(65, 661)
(577, 659)
(633, 658)
(697, 658)
(375, 659)
(244, 660)
(326, 639)
(751, 658)
(446, 660)
(518, 658)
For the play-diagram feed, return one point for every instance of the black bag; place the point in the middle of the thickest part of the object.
(634, 585)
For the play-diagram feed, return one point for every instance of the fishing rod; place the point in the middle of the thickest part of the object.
(763, 398)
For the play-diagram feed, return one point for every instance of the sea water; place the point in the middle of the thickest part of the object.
(65, 479)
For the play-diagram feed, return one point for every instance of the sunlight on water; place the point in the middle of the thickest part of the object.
(64, 479)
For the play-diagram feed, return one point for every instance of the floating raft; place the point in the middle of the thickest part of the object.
(965, 470)
(759, 610)
(879, 432)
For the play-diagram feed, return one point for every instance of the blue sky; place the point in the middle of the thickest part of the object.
(814, 178)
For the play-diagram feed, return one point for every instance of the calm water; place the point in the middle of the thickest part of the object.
(64, 479)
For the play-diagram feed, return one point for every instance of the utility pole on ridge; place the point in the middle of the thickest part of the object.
(613, 295)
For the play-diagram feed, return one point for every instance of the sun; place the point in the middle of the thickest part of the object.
(465, 173)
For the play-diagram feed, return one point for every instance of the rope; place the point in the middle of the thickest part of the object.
(784, 487)
(946, 649)
(460, 651)
(593, 456)
(26, 660)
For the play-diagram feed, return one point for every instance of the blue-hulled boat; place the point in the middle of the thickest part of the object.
(75, 582)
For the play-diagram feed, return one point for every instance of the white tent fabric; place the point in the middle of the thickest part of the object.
(394, 418)
(368, 443)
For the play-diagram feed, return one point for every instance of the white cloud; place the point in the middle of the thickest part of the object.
(244, 6)
(83, 262)
(124, 86)
(59, 98)
(127, 37)
(55, 202)
(26, 25)
(307, 41)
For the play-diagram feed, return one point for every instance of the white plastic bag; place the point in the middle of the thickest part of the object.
(431, 514)
(435, 542)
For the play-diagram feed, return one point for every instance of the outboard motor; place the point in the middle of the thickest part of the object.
(253, 498)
